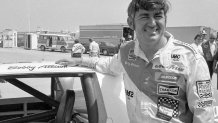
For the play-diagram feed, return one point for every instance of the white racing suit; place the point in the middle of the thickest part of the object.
(173, 87)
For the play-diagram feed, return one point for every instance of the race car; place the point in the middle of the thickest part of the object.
(48, 92)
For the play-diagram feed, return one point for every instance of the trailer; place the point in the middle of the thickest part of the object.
(9, 38)
(31, 41)
(111, 33)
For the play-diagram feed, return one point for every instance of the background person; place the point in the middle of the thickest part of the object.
(122, 41)
(165, 80)
(203, 35)
(210, 49)
(78, 49)
(197, 44)
(94, 50)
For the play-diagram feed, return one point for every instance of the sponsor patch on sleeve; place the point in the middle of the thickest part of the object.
(204, 89)
(205, 103)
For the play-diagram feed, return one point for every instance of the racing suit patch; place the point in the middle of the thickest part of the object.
(204, 89)
(205, 103)
(165, 89)
(175, 57)
(166, 77)
(167, 108)
(131, 55)
(129, 94)
(172, 67)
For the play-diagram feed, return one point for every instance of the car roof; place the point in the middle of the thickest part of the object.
(16, 69)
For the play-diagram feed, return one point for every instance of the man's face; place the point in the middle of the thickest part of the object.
(150, 26)
(198, 40)
(203, 36)
(212, 40)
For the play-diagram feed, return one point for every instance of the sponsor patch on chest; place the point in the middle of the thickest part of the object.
(165, 89)
(167, 108)
(172, 67)
(131, 55)
(129, 94)
(166, 77)
(175, 57)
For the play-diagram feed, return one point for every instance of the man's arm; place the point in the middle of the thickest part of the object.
(200, 92)
(109, 65)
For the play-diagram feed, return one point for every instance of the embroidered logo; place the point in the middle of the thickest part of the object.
(203, 104)
(167, 108)
(131, 55)
(175, 57)
(166, 77)
(204, 89)
(129, 94)
(172, 67)
(165, 89)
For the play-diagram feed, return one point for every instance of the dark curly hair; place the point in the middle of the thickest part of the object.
(135, 5)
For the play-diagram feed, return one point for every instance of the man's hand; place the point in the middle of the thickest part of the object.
(73, 62)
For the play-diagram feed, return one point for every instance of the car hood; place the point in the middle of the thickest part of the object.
(39, 68)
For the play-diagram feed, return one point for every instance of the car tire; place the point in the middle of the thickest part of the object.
(105, 52)
(42, 48)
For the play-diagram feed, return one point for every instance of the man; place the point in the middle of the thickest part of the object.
(203, 35)
(165, 80)
(210, 49)
(122, 41)
(197, 44)
(78, 49)
(94, 50)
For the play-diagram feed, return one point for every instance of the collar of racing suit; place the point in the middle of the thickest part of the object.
(160, 53)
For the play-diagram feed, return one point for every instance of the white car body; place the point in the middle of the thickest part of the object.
(112, 88)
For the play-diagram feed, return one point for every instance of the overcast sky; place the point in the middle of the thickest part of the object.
(56, 15)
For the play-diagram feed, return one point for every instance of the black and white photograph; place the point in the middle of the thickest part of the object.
(108, 61)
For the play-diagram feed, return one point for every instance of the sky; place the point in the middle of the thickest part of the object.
(68, 15)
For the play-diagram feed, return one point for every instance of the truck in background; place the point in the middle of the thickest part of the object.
(53, 42)
(108, 36)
